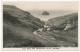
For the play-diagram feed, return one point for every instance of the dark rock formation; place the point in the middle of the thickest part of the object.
(64, 22)
(45, 13)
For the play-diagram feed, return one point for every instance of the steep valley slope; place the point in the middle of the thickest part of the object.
(18, 28)
(64, 28)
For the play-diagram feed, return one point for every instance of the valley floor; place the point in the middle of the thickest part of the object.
(59, 40)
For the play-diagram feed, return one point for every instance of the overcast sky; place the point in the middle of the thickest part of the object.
(45, 5)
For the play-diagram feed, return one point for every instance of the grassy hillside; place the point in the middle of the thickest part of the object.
(62, 38)
(14, 15)
(19, 37)
(18, 27)
(62, 21)
(59, 24)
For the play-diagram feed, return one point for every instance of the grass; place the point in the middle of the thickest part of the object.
(68, 38)
(13, 37)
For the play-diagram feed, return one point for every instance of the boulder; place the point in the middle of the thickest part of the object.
(45, 13)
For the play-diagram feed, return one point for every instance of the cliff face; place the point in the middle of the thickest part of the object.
(64, 22)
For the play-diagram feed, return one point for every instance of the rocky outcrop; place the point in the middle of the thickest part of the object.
(45, 13)
(64, 22)
(68, 26)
